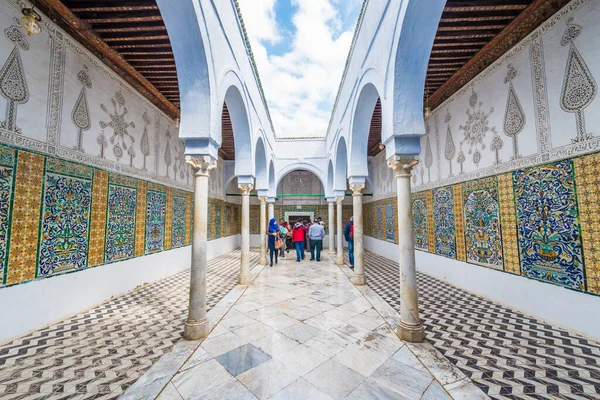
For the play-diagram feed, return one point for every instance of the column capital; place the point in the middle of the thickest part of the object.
(357, 189)
(263, 200)
(330, 200)
(402, 165)
(201, 164)
(246, 188)
(339, 200)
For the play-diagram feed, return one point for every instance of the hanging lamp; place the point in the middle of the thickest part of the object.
(427, 111)
(30, 21)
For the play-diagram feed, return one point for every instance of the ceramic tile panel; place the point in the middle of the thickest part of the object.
(218, 222)
(482, 230)
(420, 221)
(140, 224)
(508, 221)
(168, 218)
(65, 220)
(443, 216)
(587, 176)
(8, 158)
(228, 221)
(189, 202)
(156, 203)
(99, 222)
(209, 223)
(178, 229)
(459, 216)
(120, 226)
(548, 224)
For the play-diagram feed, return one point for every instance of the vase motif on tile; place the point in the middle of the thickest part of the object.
(120, 223)
(548, 224)
(482, 223)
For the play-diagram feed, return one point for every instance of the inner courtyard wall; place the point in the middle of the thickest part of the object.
(95, 194)
(506, 198)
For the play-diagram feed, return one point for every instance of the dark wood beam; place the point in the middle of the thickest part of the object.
(114, 8)
(527, 21)
(108, 20)
(82, 32)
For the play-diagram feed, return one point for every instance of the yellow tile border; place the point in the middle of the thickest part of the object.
(430, 223)
(459, 223)
(22, 261)
(508, 224)
(587, 179)
(98, 220)
(140, 220)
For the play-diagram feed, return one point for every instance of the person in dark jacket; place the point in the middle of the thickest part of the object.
(273, 233)
(349, 236)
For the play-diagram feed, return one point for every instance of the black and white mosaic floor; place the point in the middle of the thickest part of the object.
(99, 353)
(507, 354)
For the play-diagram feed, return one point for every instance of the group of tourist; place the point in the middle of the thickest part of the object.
(303, 234)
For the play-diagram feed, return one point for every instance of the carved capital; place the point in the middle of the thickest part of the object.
(402, 165)
(357, 188)
(246, 189)
(339, 200)
(201, 164)
(263, 200)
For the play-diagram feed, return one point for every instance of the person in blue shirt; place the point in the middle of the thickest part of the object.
(273, 233)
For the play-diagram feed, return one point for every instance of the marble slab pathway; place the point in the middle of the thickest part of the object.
(304, 331)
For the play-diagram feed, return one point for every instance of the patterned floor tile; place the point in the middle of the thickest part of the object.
(101, 352)
(507, 354)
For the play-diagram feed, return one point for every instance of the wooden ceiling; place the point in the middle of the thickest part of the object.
(471, 35)
(131, 38)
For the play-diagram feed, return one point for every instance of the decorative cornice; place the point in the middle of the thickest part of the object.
(529, 20)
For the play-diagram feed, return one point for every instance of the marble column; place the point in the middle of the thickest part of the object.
(263, 231)
(331, 228)
(196, 325)
(359, 253)
(339, 260)
(244, 277)
(410, 327)
(271, 203)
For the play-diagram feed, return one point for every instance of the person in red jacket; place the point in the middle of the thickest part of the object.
(298, 235)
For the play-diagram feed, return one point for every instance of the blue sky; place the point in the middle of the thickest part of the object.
(300, 47)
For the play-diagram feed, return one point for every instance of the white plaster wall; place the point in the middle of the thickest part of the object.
(72, 293)
(540, 62)
(54, 66)
(560, 306)
(75, 292)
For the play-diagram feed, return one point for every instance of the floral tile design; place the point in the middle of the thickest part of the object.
(443, 216)
(548, 224)
(66, 209)
(482, 223)
(420, 223)
(179, 222)
(120, 226)
(155, 221)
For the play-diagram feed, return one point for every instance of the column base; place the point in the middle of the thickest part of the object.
(339, 260)
(359, 279)
(413, 333)
(244, 279)
(194, 330)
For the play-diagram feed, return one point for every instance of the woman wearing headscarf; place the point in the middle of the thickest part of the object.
(273, 233)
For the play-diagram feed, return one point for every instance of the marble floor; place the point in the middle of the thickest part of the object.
(303, 331)
(507, 354)
(100, 352)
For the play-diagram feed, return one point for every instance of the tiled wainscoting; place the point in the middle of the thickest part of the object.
(541, 222)
(58, 217)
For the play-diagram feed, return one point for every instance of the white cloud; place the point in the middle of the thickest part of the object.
(301, 84)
